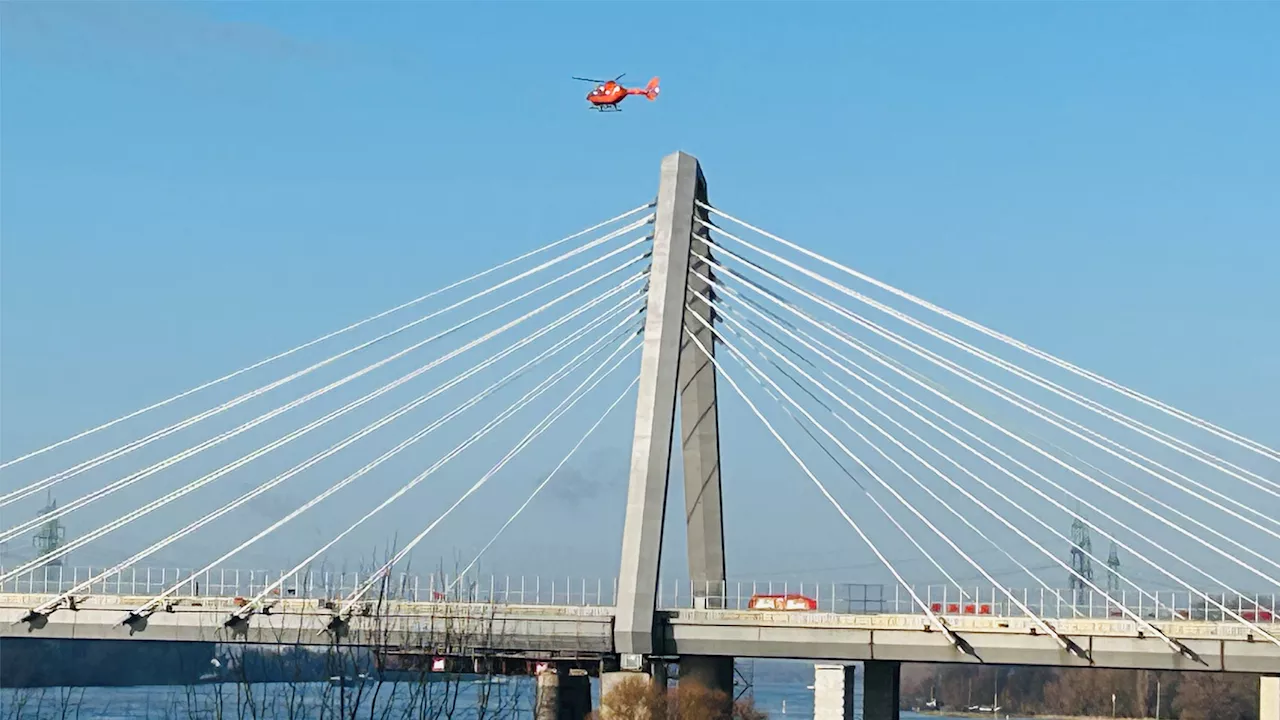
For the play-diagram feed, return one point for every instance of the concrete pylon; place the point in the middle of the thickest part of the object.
(881, 689)
(833, 692)
(674, 370)
(562, 694)
(700, 428)
(1269, 698)
(609, 682)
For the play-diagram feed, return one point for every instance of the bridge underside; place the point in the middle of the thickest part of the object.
(996, 641)
(584, 632)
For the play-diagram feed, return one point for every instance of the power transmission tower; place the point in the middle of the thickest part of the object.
(1113, 567)
(51, 534)
(1081, 548)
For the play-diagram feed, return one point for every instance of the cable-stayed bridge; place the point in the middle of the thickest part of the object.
(924, 432)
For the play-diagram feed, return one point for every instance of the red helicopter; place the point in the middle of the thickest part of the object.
(608, 93)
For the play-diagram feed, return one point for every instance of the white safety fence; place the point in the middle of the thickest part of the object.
(833, 597)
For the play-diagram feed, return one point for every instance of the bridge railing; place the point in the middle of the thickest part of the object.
(948, 600)
(234, 582)
(833, 597)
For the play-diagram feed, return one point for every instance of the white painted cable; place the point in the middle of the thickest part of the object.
(570, 399)
(130, 479)
(731, 317)
(857, 345)
(321, 339)
(809, 341)
(146, 509)
(541, 485)
(1060, 506)
(986, 385)
(404, 409)
(130, 447)
(296, 433)
(154, 602)
(474, 400)
(933, 618)
(1170, 441)
(981, 382)
(573, 363)
(1221, 432)
(741, 357)
(911, 538)
(1119, 418)
(870, 352)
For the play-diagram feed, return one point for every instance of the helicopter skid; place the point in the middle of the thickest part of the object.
(605, 108)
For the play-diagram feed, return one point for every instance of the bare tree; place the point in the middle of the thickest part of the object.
(639, 698)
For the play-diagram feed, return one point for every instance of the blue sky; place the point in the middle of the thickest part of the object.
(190, 187)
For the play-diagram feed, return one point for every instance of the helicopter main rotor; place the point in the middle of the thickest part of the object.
(600, 82)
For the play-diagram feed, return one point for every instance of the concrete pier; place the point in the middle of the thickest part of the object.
(833, 696)
(1269, 698)
(610, 680)
(712, 673)
(880, 689)
(562, 695)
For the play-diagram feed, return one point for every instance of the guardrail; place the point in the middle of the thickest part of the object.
(834, 597)
(235, 582)
(989, 601)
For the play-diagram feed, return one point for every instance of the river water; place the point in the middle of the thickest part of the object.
(314, 701)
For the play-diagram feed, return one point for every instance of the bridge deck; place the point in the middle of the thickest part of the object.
(578, 631)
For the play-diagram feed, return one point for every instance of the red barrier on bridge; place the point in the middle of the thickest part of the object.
(955, 609)
(782, 602)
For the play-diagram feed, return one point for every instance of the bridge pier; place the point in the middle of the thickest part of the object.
(609, 681)
(562, 695)
(1269, 698)
(712, 673)
(880, 689)
(833, 692)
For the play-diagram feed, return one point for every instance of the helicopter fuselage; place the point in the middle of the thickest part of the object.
(609, 93)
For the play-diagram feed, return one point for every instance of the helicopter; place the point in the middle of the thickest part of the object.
(608, 93)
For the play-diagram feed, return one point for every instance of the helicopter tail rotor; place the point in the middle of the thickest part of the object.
(651, 90)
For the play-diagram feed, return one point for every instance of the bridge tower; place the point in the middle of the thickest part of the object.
(674, 374)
